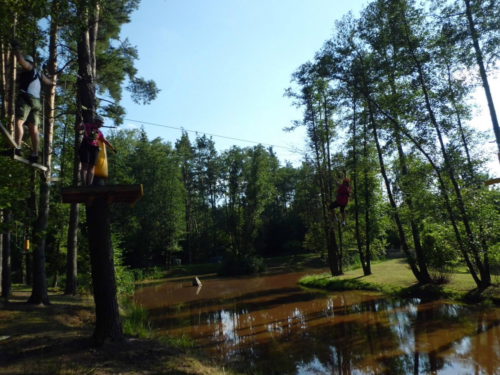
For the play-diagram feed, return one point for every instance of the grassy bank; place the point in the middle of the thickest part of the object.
(55, 340)
(394, 277)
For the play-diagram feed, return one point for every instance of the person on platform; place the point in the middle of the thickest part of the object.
(89, 148)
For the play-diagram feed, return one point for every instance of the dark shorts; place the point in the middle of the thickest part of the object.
(88, 154)
(336, 204)
(28, 109)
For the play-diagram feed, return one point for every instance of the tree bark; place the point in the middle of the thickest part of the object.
(6, 270)
(108, 325)
(482, 72)
(71, 286)
(1, 253)
(481, 264)
(39, 293)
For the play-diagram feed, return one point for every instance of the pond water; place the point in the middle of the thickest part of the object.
(269, 325)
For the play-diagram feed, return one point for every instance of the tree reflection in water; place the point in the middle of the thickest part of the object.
(267, 325)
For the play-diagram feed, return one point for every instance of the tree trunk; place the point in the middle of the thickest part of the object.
(108, 324)
(482, 72)
(11, 82)
(444, 193)
(395, 214)
(71, 286)
(481, 265)
(368, 202)
(39, 293)
(85, 82)
(7, 247)
(1, 253)
(363, 258)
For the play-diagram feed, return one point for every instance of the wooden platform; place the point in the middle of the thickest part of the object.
(492, 181)
(111, 193)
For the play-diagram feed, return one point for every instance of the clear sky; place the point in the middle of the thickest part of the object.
(223, 66)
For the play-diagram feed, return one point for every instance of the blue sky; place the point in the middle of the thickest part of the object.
(223, 66)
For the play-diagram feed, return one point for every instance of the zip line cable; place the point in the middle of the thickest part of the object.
(213, 135)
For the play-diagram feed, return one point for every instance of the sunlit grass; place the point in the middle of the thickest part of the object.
(183, 342)
(394, 277)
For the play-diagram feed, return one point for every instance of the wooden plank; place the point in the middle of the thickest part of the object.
(112, 193)
(25, 161)
(12, 155)
(7, 135)
(492, 181)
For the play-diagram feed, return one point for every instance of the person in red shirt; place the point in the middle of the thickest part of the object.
(89, 148)
(343, 193)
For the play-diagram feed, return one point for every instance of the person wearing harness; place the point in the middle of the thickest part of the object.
(28, 105)
(343, 193)
(89, 148)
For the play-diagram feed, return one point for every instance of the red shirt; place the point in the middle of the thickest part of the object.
(92, 134)
(343, 194)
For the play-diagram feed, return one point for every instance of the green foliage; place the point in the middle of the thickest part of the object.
(241, 265)
(135, 319)
(440, 252)
(315, 239)
(494, 253)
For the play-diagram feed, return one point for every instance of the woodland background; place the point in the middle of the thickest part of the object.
(387, 101)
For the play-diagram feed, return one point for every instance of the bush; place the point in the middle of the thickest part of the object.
(135, 319)
(242, 265)
(440, 254)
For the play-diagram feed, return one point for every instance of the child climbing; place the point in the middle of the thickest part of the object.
(342, 199)
(89, 148)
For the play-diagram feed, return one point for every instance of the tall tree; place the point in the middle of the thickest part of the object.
(39, 293)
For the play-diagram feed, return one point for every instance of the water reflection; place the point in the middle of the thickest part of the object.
(268, 325)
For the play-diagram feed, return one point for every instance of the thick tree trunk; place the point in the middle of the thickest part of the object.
(108, 325)
(7, 247)
(71, 286)
(39, 292)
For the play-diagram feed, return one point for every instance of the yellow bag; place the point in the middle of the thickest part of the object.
(101, 166)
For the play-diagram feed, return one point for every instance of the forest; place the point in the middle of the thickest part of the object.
(387, 101)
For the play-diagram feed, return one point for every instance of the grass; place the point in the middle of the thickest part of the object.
(394, 277)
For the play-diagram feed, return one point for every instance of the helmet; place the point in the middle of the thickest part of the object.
(98, 118)
(29, 59)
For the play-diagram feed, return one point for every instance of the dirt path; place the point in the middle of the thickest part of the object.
(56, 340)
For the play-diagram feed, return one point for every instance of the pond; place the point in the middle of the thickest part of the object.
(270, 325)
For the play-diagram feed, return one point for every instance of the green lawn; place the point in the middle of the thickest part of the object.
(395, 277)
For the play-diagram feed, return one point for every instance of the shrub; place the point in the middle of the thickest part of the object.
(242, 265)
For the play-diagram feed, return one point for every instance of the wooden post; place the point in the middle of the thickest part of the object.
(98, 200)
(108, 324)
